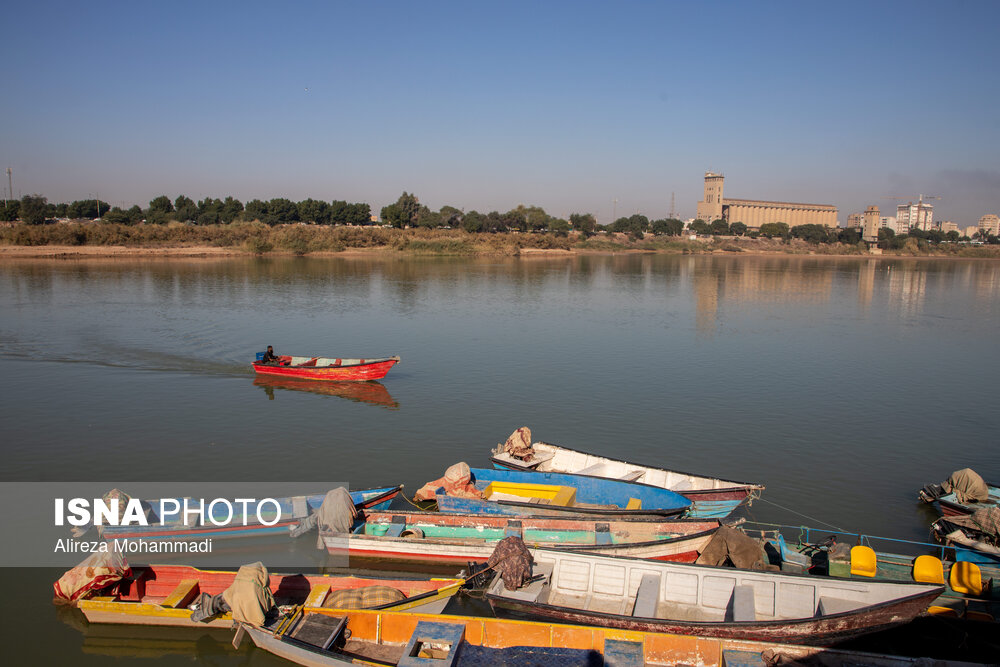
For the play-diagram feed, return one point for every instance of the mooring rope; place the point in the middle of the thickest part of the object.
(805, 516)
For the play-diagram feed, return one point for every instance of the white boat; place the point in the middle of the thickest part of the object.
(655, 596)
(711, 497)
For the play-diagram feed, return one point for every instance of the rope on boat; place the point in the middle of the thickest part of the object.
(805, 516)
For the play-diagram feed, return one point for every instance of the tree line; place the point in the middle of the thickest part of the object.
(36, 209)
(407, 211)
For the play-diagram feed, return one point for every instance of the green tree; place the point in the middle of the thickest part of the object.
(134, 215)
(720, 227)
(33, 208)
(559, 227)
(428, 219)
(473, 221)
(161, 204)
(404, 212)
(811, 233)
(514, 220)
(585, 223)
(699, 226)
(8, 213)
(849, 236)
(772, 229)
(116, 216)
(255, 210)
(208, 211)
(314, 210)
(231, 209)
(952, 236)
(281, 211)
(185, 209)
(935, 236)
(738, 228)
(451, 216)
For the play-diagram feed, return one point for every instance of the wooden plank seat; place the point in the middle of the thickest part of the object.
(182, 595)
(647, 597)
(743, 604)
(396, 527)
(828, 606)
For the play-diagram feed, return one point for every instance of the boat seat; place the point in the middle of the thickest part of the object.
(396, 527)
(928, 569)
(743, 604)
(966, 578)
(864, 563)
(182, 595)
(634, 504)
(433, 643)
(828, 606)
(602, 534)
(311, 362)
(632, 475)
(593, 470)
(532, 591)
(938, 610)
(623, 653)
(647, 597)
(982, 616)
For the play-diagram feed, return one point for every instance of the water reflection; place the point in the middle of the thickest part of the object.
(371, 392)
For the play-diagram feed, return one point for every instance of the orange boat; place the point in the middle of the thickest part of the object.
(332, 369)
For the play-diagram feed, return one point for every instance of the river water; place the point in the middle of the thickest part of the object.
(843, 384)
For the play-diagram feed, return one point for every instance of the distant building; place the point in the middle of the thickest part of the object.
(970, 231)
(872, 223)
(855, 221)
(890, 222)
(948, 226)
(990, 223)
(754, 213)
(919, 216)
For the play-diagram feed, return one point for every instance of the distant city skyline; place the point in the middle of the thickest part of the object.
(574, 107)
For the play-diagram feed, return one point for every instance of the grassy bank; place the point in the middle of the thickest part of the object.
(257, 238)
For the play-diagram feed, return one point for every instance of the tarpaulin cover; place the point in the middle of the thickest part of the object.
(337, 513)
(249, 596)
(518, 445)
(98, 570)
(967, 486)
(457, 481)
(736, 546)
(986, 520)
(363, 598)
(512, 560)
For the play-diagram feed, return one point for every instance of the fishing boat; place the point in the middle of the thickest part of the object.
(219, 522)
(513, 492)
(324, 637)
(164, 594)
(679, 598)
(835, 553)
(711, 497)
(327, 368)
(952, 497)
(433, 537)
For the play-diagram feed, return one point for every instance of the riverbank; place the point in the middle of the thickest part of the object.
(90, 240)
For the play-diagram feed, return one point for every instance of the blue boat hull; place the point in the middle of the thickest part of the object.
(598, 491)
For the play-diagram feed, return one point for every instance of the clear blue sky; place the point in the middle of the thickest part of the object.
(564, 105)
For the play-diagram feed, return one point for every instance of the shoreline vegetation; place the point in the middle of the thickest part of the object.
(175, 239)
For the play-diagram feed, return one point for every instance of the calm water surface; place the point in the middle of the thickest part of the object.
(842, 384)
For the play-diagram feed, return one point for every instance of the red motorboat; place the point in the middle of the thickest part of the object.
(327, 368)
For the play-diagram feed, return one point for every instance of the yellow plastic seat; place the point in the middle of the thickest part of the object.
(966, 578)
(928, 569)
(863, 561)
(942, 611)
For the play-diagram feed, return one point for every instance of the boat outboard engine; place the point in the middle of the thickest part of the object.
(931, 492)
